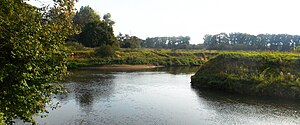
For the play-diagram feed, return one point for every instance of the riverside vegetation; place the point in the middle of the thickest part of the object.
(254, 73)
(263, 73)
(159, 57)
(33, 56)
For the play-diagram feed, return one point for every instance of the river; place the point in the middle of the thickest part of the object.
(160, 96)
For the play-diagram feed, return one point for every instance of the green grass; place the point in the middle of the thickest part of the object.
(162, 57)
(254, 73)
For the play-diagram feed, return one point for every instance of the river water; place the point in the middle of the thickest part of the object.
(160, 96)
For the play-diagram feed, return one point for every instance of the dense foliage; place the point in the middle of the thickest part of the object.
(32, 57)
(105, 51)
(243, 41)
(97, 34)
(84, 16)
(126, 41)
(254, 73)
(94, 31)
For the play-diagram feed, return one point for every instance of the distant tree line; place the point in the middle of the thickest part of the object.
(127, 41)
(244, 41)
(181, 42)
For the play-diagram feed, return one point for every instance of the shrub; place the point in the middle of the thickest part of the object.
(105, 51)
(75, 46)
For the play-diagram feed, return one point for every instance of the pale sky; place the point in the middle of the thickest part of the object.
(195, 18)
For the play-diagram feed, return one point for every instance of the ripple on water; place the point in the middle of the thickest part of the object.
(160, 96)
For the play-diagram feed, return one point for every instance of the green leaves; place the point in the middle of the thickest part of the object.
(127, 41)
(96, 34)
(1, 119)
(32, 56)
(94, 31)
(85, 15)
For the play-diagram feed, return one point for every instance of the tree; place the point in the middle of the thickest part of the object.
(127, 41)
(85, 15)
(180, 42)
(32, 56)
(94, 31)
(96, 34)
(207, 40)
(108, 20)
(243, 41)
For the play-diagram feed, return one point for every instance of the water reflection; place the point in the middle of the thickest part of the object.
(159, 96)
(240, 109)
(178, 70)
(87, 86)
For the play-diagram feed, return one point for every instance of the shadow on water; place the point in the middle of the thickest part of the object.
(83, 74)
(86, 86)
(178, 70)
(224, 102)
(226, 97)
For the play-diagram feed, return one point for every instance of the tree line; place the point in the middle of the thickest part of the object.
(181, 42)
(98, 32)
(244, 41)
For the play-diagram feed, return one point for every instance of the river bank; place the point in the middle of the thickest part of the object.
(121, 67)
(254, 73)
(155, 57)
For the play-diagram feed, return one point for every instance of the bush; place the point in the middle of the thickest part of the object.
(105, 51)
(75, 46)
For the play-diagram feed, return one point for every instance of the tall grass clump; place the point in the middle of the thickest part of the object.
(255, 73)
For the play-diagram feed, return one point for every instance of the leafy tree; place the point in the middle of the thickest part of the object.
(96, 34)
(85, 15)
(207, 39)
(94, 31)
(32, 57)
(108, 20)
(127, 41)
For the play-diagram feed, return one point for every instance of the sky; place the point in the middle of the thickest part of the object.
(195, 18)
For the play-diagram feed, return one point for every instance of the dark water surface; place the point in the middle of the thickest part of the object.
(160, 96)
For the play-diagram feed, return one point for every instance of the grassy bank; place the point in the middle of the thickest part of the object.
(88, 57)
(254, 73)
